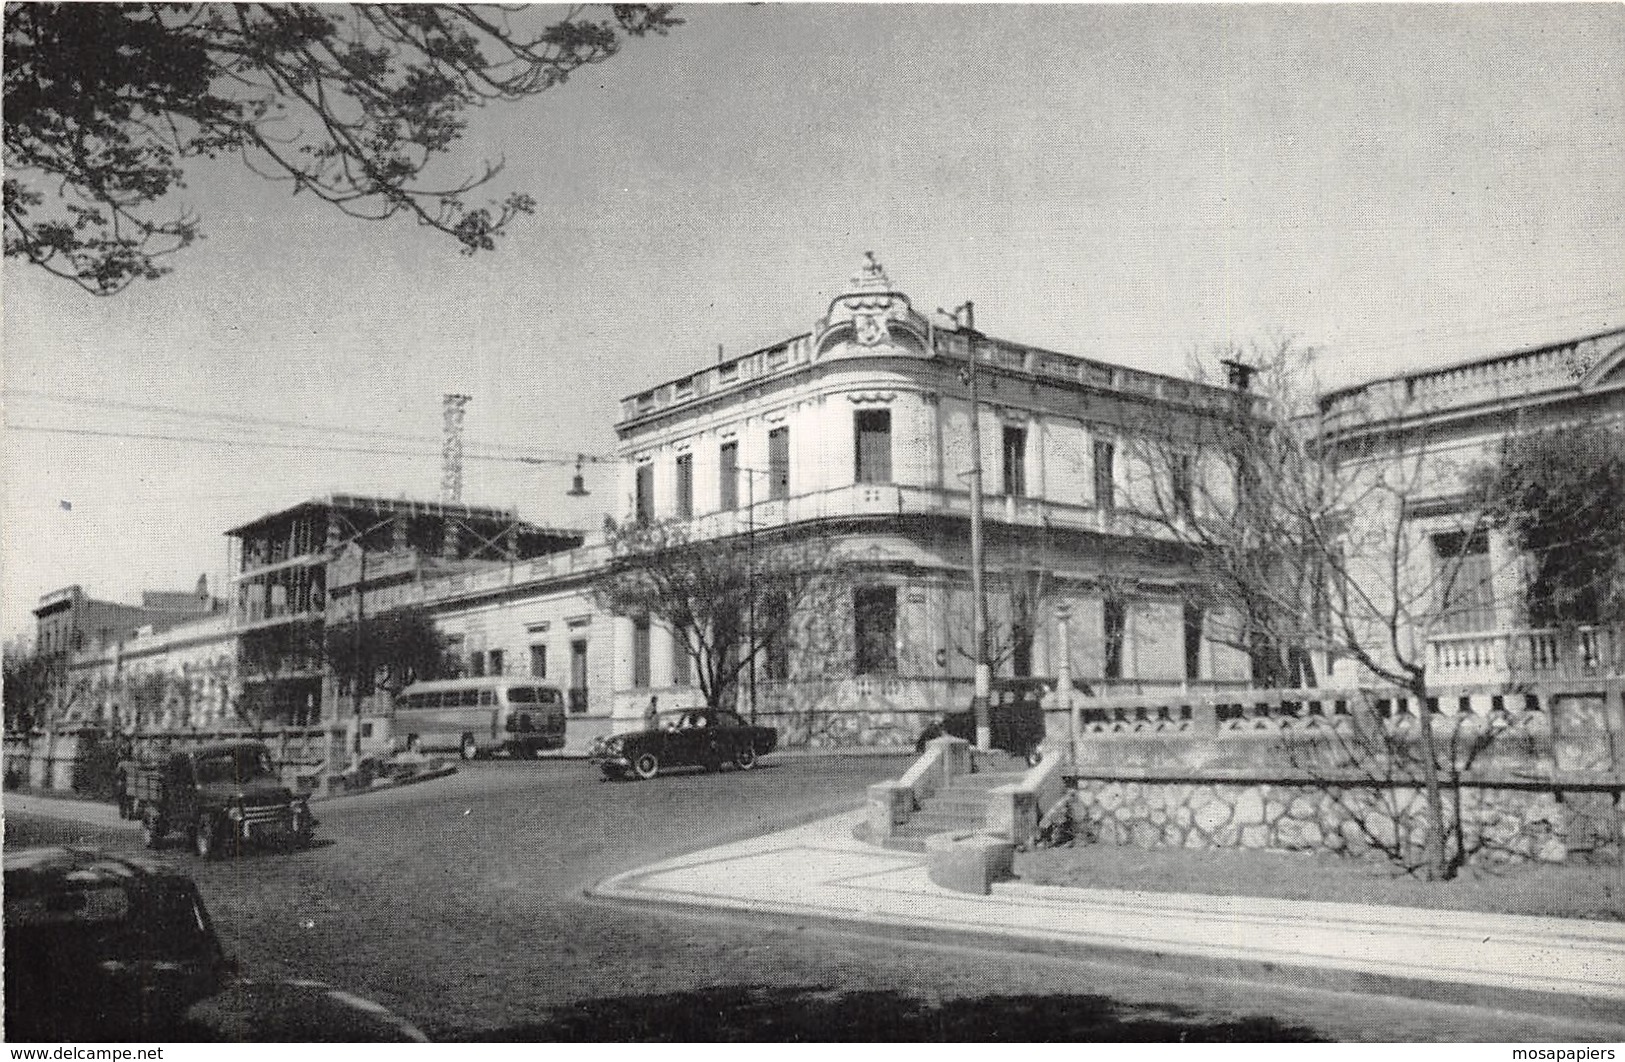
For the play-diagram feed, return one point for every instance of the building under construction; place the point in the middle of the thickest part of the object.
(293, 568)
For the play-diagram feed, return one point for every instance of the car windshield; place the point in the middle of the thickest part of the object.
(236, 766)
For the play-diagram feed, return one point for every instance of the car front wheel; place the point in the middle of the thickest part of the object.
(745, 758)
(646, 766)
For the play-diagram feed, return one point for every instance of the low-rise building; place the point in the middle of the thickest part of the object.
(1462, 584)
(859, 433)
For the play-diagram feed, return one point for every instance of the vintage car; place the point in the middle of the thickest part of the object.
(101, 946)
(216, 796)
(693, 738)
(1015, 719)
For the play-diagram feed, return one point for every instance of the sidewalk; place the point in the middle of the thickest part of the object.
(820, 871)
(89, 812)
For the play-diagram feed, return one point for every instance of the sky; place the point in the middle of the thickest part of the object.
(1400, 186)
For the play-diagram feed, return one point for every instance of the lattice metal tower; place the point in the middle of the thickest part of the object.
(451, 453)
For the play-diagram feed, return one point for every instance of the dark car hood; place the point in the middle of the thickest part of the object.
(259, 792)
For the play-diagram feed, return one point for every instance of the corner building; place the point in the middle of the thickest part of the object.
(859, 432)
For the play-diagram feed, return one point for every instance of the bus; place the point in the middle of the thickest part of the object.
(477, 717)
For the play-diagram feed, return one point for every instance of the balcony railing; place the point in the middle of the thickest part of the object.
(1489, 656)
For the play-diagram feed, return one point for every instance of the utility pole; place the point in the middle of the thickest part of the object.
(357, 647)
(750, 585)
(979, 700)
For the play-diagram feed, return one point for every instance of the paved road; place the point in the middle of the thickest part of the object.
(459, 903)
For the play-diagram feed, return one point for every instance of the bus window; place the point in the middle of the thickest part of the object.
(522, 695)
(471, 698)
(488, 698)
(550, 695)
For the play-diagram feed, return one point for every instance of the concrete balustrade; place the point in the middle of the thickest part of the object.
(1014, 810)
(890, 803)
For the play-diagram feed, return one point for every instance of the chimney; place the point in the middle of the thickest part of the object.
(1240, 374)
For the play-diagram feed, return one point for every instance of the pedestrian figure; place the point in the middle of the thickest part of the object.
(651, 714)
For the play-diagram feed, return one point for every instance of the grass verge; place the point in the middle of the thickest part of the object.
(1563, 891)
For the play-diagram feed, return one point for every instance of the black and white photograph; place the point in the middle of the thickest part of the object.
(797, 523)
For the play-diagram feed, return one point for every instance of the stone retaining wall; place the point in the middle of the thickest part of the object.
(1498, 825)
(1540, 771)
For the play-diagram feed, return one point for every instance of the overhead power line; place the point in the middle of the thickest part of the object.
(543, 456)
(272, 444)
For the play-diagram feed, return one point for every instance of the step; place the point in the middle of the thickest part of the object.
(942, 822)
(952, 800)
(987, 780)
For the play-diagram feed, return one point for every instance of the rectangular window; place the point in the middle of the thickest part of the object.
(685, 486)
(682, 667)
(640, 653)
(1015, 461)
(728, 470)
(538, 661)
(578, 676)
(1179, 472)
(1464, 589)
(476, 664)
(646, 494)
(778, 463)
(874, 612)
(1193, 642)
(1115, 615)
(776, 653)
(1021, 650)
(776, 657)
(873, 428)
(495, 661)
(1105, 475)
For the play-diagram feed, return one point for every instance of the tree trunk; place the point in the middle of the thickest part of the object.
(1438, 865)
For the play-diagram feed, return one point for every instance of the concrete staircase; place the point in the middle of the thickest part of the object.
(962, 807)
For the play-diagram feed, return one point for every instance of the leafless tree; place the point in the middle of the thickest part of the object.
(1324, 535)
(731, 602)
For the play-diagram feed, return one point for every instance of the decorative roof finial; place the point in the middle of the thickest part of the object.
(871, 275)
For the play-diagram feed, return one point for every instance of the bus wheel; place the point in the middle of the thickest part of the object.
(468, 750)
(646, 766)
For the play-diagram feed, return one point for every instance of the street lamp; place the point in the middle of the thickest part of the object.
(979, 699)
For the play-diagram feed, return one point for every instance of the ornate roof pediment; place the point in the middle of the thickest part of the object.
(871, 317)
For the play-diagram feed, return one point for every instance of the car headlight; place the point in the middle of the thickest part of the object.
(235, 813)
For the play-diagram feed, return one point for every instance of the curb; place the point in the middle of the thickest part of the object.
(1603, 1014)
(1320, 972)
